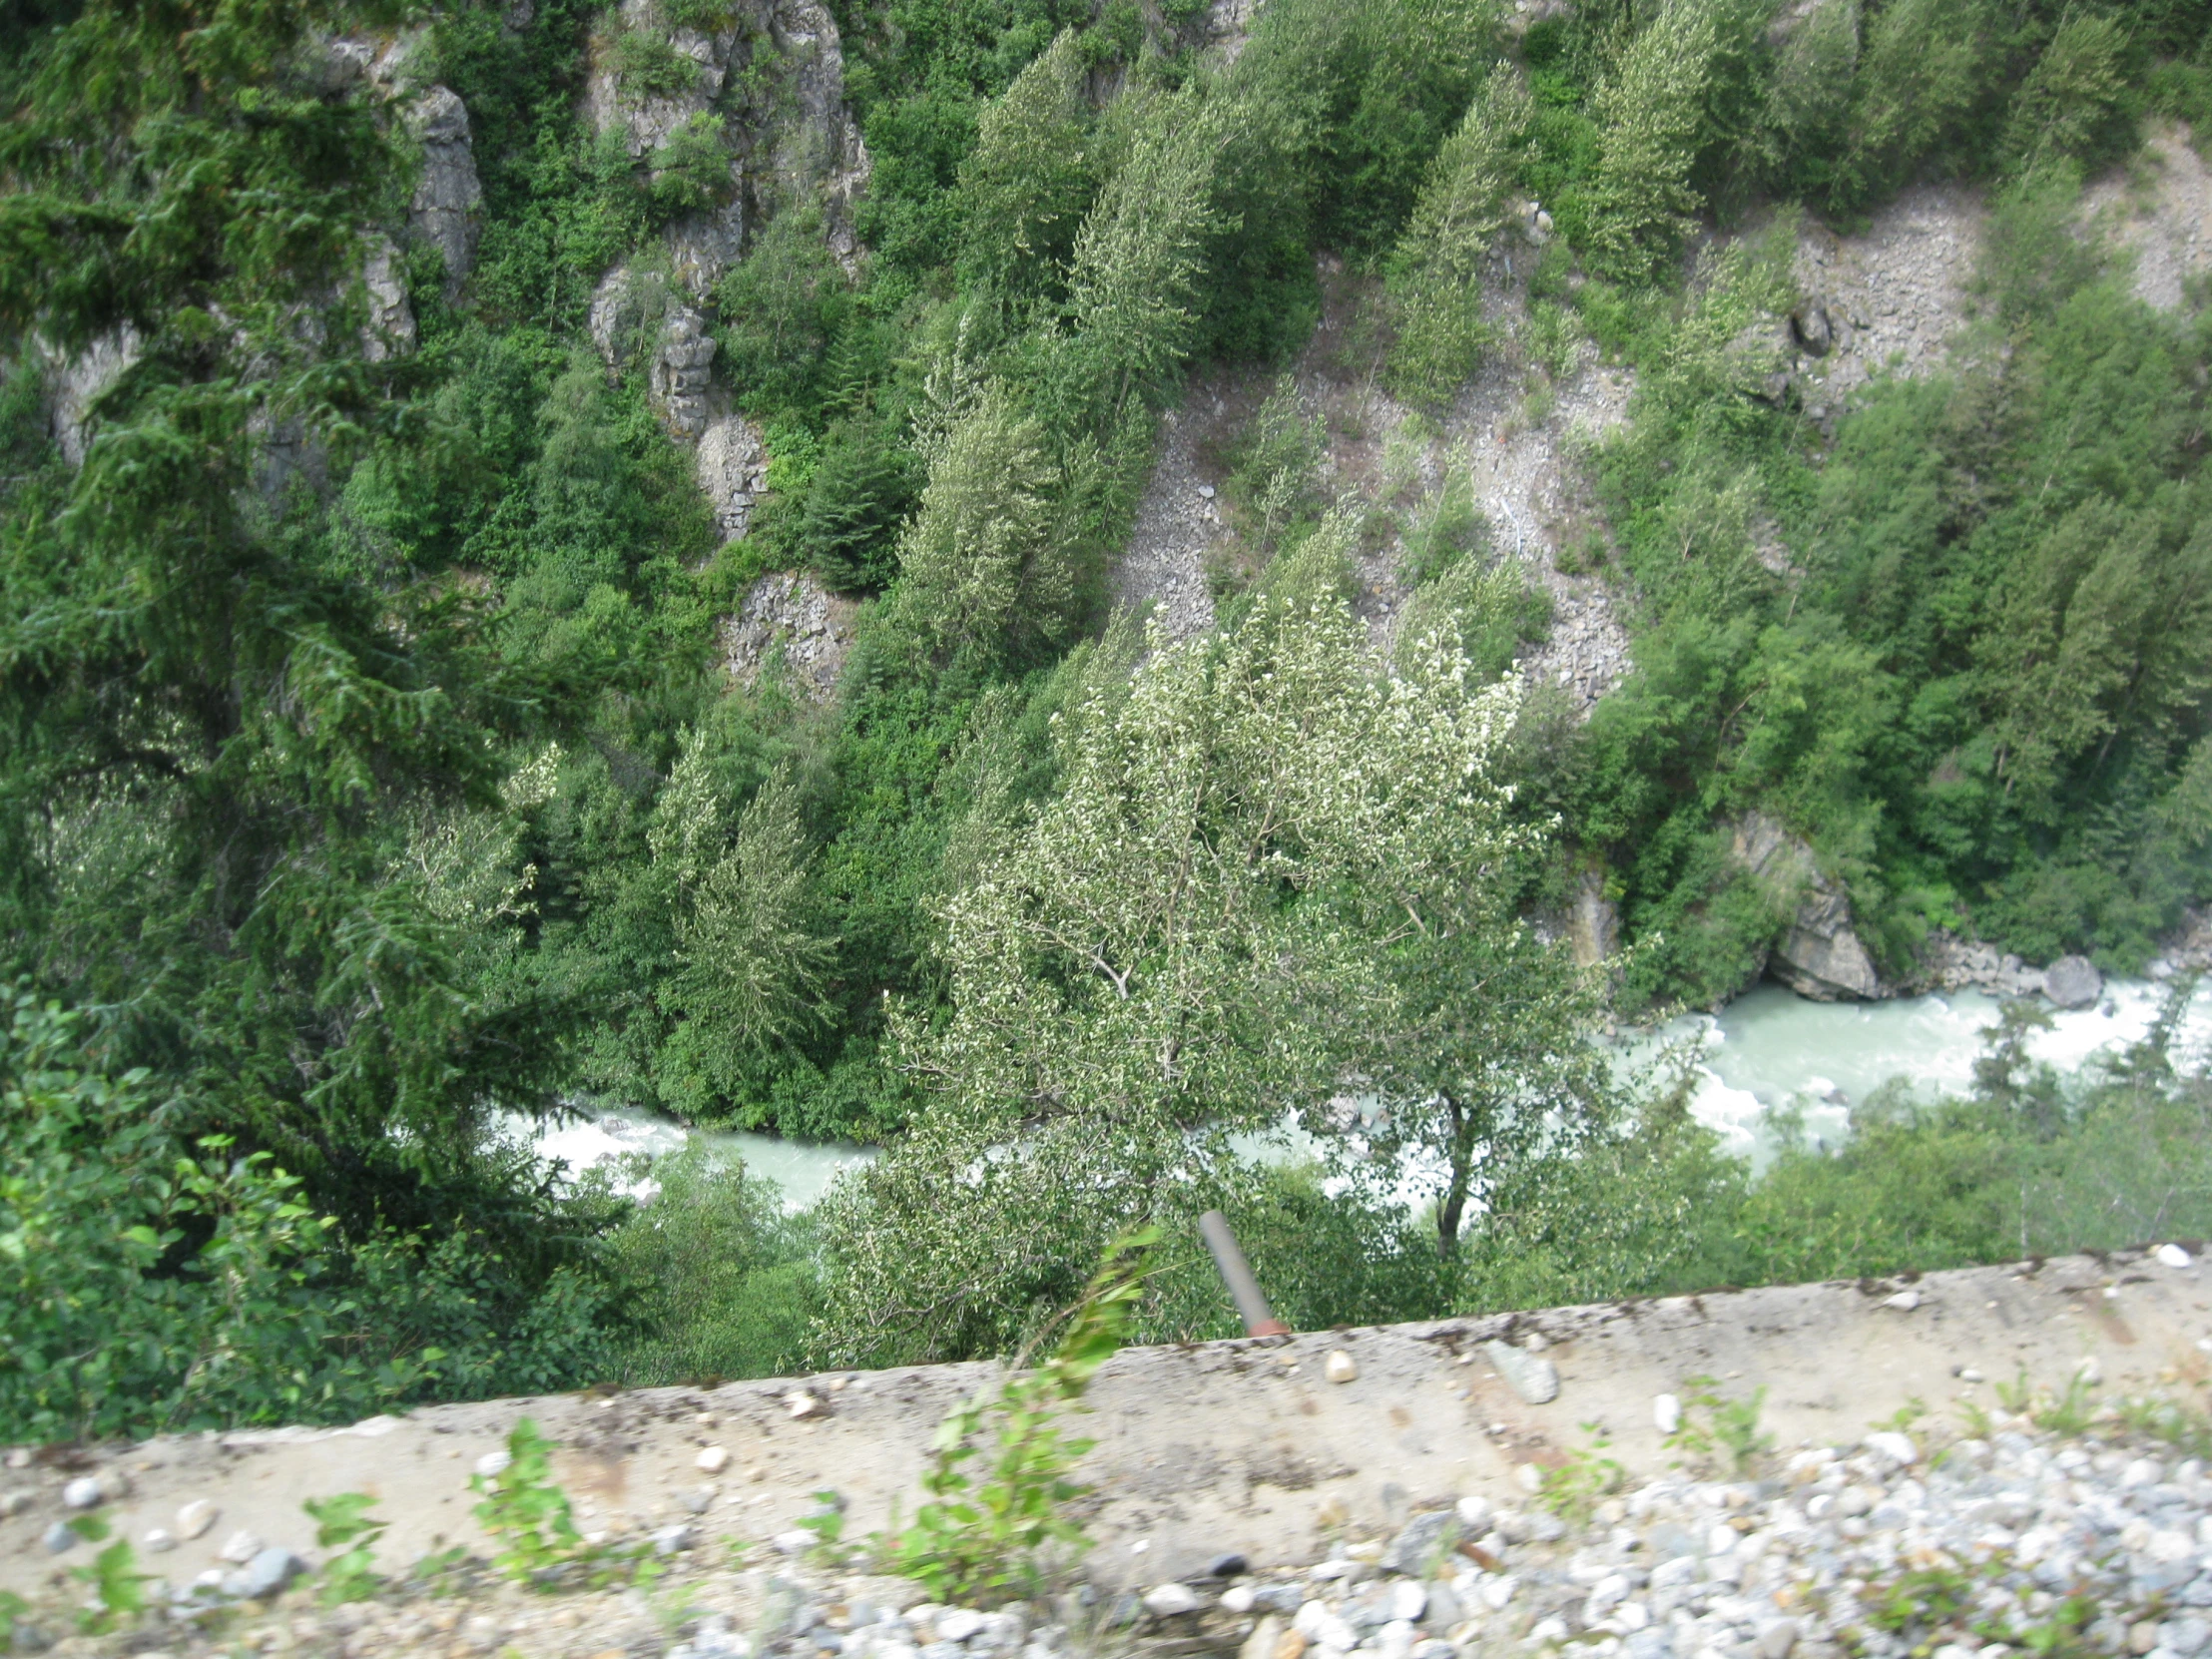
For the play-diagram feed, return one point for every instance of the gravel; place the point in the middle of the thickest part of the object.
(1904, 1543)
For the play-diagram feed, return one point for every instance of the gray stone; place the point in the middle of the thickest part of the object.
(1443, 1607)
(1534, 1378)
(732, 469)
(2073, 983)
(1593, 921)
(1231, 1565)
(1820, 954)
(2186, 1636)
(447, 194)
(390, 329)
(59, 1538)
(1421, 1544)
(1164, 1601)
(1812, 328)
(264, 1575)
(682, 372)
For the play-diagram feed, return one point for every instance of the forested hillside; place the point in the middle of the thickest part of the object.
(403, 402)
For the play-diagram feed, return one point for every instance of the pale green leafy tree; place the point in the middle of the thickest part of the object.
(1652, 105)
(1925, 67)
(1141, 255)
(1187, 942)
(986, 557)
(1026, 185)
(1435, 269)
(750, 966)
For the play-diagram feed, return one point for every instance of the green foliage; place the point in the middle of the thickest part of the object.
(1712, 1425)
(529, 1517)
(1651, 110)
(1025, 188)
(117, 1587)
(526, 1514)
(724, 1281)
(647, 65)
(782, 307)
(1573, 1489)
(343, 1523)
(1189, 940)
(984, 1537)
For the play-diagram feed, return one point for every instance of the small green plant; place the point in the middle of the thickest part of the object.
(647, 64)
(1925, 1596)
(344, 1521)
(118, 1587)
(2071, 1413)
(2169, 1420)
(1572, 1490)
(1712, 1425)
(979, 1538)
(12, 1609)
(827, 1524)
(531, 1518)
(1905, 1417)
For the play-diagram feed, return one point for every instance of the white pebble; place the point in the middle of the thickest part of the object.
(714, 1460)
(2173, 1256)
(81, 1493)
(1666, 1413)
(157, 1539)
(1340, 1366)
(195, 1518)
(1238, 1599)
(960, 1624)
(493, 1464)
(1165, 1601)
(1473, 1509)
(241, 1548)
(1409, 1600)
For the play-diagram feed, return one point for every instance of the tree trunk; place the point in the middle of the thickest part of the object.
(1455, 1203)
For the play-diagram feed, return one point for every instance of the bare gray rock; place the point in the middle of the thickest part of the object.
(793, 618)
(732, 468)
(82, 380)
(2073, 983)
(1820, 954)
(1533, 1378)
(1593, 922)
(390, 330)
(682, 372)
(448, 194)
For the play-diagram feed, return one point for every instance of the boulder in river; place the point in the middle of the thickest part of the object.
(2073, 983)
(1820, 954)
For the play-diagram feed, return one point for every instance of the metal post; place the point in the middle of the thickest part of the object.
(1236, 1273)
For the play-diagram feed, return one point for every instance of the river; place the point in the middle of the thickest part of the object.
(1768, 1048)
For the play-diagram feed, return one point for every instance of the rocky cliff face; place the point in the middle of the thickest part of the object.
(794, 142)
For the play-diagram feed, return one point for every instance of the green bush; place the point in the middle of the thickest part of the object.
(724, 1279)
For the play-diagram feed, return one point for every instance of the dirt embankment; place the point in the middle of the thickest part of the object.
(1203, 1449)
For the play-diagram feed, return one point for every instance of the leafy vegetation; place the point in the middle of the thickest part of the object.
(374, 790)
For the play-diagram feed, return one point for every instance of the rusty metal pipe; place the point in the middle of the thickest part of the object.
(1236, 1273)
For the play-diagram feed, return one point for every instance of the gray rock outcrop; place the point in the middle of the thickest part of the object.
(680, 375)
(1593, 921)
(732, 468)
(81, 380)
(390, 330)
(449, 194)
(791, 617)
(2073, 983)
(1820, 954)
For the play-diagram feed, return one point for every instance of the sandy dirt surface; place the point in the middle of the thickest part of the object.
(1203, 1448)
